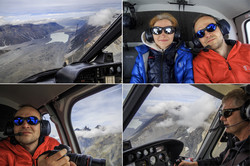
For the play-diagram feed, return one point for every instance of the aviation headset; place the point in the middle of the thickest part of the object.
(222, 24)
(45, 127)
(150, 38)
(129, 20)
(245, 109)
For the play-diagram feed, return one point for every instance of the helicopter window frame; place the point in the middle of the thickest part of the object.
(218, 148)
(247, 30)
(54, 132)
(103, 90)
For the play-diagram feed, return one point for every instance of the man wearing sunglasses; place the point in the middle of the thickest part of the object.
(236, 121)
(221, 61)
(26, 144)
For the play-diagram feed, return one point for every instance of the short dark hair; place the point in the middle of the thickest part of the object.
(28, 105)
(203, 15)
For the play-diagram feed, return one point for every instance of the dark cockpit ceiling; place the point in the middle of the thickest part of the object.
(35, 95)
(13, 96)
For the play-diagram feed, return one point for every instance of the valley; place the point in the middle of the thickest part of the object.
(103, 145)
(43, 47)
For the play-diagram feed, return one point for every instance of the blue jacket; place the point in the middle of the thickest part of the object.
(183, 67)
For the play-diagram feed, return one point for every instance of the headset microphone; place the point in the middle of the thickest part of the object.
(206, 49)
(236, 124)
(221, 125)
(16, 134)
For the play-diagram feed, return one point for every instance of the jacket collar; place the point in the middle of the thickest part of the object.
(151, 45)
(154, 46)
(214, 55)
(243, 144)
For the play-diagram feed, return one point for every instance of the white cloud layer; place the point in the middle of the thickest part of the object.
(190, 114)
(97, 132)
(102, 17)
(165, 123)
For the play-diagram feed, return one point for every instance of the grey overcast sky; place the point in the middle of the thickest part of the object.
(18, 11)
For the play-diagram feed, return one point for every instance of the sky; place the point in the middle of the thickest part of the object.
(170, 92)
(22, 11)
(103, 109)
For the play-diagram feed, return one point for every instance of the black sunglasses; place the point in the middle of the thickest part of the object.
(228, 112)
(210, 28)
(167, 30)
(32, 120)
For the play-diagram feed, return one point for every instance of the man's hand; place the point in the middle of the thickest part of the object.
(186, 163)
(57, 159)
(72, 163)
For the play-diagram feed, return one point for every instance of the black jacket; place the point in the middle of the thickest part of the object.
(161, 65)
(236, 148)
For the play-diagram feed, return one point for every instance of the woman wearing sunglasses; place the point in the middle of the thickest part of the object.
(223, 61)
(162, 58)
(27, 142)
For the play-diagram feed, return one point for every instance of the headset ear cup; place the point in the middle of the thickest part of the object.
(197, 43)
(45, 128)
(245, 111)
(9, 128)
(177, 35)
(224, 26)
(248, 112)
(149, 36)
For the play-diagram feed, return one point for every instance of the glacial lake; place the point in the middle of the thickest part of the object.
(3, 47)
(59, 37)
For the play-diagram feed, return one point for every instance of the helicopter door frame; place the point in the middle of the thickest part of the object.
(240, 23)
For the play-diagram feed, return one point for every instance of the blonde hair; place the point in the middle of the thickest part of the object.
(239, 96)
(163, 16)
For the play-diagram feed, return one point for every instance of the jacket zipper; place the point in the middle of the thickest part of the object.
(162, 58)
(229, 67)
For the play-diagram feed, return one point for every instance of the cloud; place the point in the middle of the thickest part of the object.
(165, 123)
(2, 20)
(41, 18)
(51, 6)
(196, 113)
(162, 107)
(102, 17)
(98, 132)
(189, 114)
